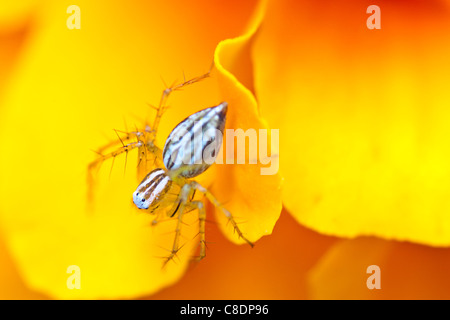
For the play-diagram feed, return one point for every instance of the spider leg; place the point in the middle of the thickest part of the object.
(183, 198)
(201, 231)
(128, 136)
(166, 93)
(123, 149)
(94, 164)
(191, 206)
(144, 144)
(150, 157)
(197, 186)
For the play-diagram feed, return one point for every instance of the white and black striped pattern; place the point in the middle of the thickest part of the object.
(185, 146)
(151, 189)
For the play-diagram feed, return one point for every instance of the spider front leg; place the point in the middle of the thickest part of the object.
(197, 186)
(185, 193)
(144, 144)
(186, 207)
(166, 93)
(112, 155)
(201, 226)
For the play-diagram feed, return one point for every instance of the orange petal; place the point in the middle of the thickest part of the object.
(253, 198)
(276, 268)
(11, 45)
(407, 271)
(14, 15)
(362, 114)
(12, 286)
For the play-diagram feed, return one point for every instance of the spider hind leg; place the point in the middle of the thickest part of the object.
(186, 205)
(183, 199)
(197, 186)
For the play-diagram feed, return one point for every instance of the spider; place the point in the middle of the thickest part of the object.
(171, 186)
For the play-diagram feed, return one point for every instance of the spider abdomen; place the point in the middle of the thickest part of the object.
(194, 143)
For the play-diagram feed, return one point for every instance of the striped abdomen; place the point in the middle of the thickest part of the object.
(152, 189)
(193, 145)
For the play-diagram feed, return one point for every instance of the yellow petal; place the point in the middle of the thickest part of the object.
(12, 286)
(71, 89)
(14, 15)
(253, 198)
(363, 115)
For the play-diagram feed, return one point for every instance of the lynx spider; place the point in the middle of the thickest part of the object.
(170, 174)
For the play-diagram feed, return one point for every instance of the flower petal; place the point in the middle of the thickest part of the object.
(276, 268)
(363, 115)
(407, 271)
(72, 87)
(12, 286)
(253, 198)
(14, 15)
